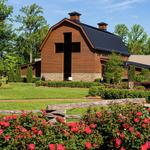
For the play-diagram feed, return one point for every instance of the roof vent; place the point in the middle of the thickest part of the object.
(102, 26)
(75, 16)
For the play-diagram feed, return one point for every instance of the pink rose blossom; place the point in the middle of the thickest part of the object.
(51, 146)
(31, 147)
(88, 145)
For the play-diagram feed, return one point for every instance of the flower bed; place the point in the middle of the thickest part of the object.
(117, 127)
(122, 127)
(30, 131)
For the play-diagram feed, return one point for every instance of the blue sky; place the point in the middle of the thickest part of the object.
(112, 12)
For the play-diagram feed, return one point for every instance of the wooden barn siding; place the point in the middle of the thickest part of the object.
(24, 71)
(84, 62)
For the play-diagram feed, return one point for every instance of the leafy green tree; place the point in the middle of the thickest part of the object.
(11, 63)
(136, 39)
(147, 49)
(122, 30)
(6, 33)
(114, 69)
(33, 28)
(29, 74)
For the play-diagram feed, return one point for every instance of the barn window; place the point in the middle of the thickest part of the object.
(76, 47)
(59, 47)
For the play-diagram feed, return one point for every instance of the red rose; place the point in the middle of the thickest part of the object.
(136, 120)
(146, 120)
(60, 119)
(93, 126)
(120, 121)
(95, 145)
(60, 147)
(5, 124)
(72, 124)
(88, 145)
(24, 114)
(1, 131)
(118, 142)
(98, 114)
(144, 125)
(7, 137)
(14, 116)
(51, 146)
(131, 129)
(125, 125)
(31, 147)
(144, 147)
(44, 122)
(139, 114)
(148, 109)
(88, 130)
(33, 128)
(118, 132)
(7, 118)
(122, 135)
(74, 129)
(122, 148)
(39, 132)
(148, 144)
(138, 134)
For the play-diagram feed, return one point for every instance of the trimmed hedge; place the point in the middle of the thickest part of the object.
(108, 93)
(67, 84)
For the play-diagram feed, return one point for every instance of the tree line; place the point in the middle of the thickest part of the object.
(21, 36)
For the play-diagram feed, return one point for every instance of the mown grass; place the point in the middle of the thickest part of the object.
(30, 91)
(81, 111)
(35, 104)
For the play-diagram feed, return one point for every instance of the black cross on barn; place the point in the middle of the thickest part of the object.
(67, 47)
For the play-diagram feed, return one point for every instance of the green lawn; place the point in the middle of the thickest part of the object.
(16, 91)
(35, 104)
(81, 111)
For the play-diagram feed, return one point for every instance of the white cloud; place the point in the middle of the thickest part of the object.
(122, 4)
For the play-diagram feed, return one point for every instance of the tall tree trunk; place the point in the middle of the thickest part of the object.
(31, 58)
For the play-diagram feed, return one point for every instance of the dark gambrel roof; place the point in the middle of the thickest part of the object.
(104, 40)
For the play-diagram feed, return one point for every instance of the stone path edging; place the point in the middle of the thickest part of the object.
(82, 105)
(97, 103)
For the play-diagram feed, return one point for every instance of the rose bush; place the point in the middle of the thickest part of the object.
(122, 127)
(125, 127)
(34, 132)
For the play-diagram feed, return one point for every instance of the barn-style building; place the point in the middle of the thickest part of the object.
(76, 51)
